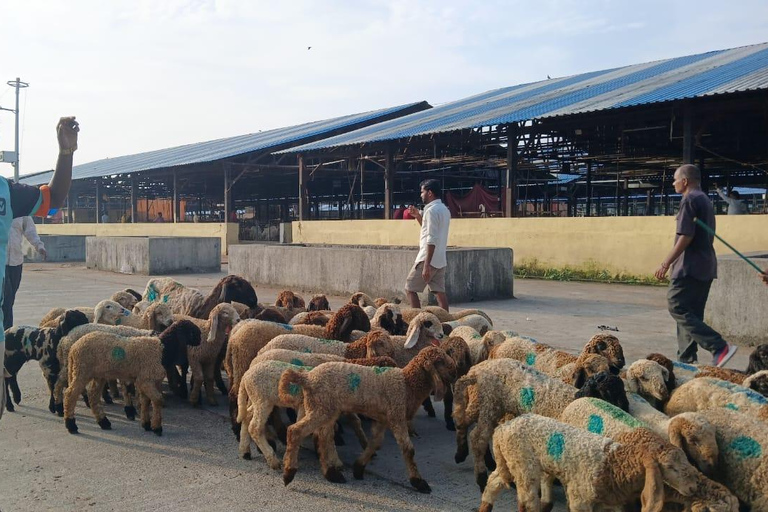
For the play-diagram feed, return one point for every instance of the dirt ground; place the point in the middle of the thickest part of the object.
(195, 466)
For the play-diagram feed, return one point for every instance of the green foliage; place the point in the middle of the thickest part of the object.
(589, 271)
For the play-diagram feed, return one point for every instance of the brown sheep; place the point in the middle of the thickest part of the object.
(288, 299)
(389, 397)
(758, 359)
(349, 317)
(458, 350)
(231, 288)
(319, 303)
(389, 318)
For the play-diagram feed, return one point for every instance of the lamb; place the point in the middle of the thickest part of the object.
(204, 358)
(594, 470)
(125, 298)
(40, 343)
(742, 465)
(444, 316)
(457, 349)
(190, 302)
(669, 365)
(390, 397)
(258, 396)
(288, 299)
(319, 303)
(758, 359)
(607, 386)
(477, 322)
(102, 356)
(479, 346)
(689, 431)
(708, 393)
(499, 388)
(389, 318)
(649, 380)
(757, 381)
(156, 317)
(424, 330)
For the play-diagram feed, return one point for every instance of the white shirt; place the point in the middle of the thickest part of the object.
(436, 218)
(735, 206)
(21, 226)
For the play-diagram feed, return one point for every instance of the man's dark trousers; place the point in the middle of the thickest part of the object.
(686, 300)
(10, 287)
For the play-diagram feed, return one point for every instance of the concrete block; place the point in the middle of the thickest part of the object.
(59, 247)
(473, 273)
(154, 255)
(738, 299)
(286, 233)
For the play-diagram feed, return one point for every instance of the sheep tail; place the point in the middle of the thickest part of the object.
(467, 312)
(242, 402)
(288, 379)
(460, 393)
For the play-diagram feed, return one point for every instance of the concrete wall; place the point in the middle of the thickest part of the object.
(738, 300)
(59, 248)
(154, 255)
(474, 274)
(631, 245)
(228, 233)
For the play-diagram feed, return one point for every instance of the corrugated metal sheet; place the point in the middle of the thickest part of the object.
(718, 72)
(213, 150)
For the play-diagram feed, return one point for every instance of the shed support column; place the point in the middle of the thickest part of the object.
(389, 173)
(362, 189)
(98, 200)
(303, 195)
(688, 148)
(588, 213)
(510, 184)
(226, 193)
(134, 198)
(175, 196)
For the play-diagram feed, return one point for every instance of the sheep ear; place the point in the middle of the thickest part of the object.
(345, 325)
(632, 385)
(214, 328)
(447, 329)
(579, 377)
(675, 436)
(97, 313)
(414, 331)
(652, 497)
(665, 374)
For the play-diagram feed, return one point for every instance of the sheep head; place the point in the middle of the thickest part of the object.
(109, 312)
(377, 343)
(605, 386)
(174, 339)
(692, 433)
(140, 307)
(348, 318)
(586, 366)
(424, 327)
(758, 381)
(609, 347)
(362, 300)
(668, 364)
(223, 317)
(125, 299)
(758, 359)
(666, 464)
(69, 320)
(440, 366)
(319, 303)
(158, 316)
(648, 379)
(389, 317)
(458, 350)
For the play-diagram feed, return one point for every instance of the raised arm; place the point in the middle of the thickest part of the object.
(66, 132)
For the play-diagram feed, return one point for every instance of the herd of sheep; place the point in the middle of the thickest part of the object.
(654, 434)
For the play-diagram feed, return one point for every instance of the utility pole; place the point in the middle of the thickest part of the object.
(18, 85)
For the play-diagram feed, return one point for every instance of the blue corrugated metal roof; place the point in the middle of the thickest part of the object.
(718, 72)
(213, 150)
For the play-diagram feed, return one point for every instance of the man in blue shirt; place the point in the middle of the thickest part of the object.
(17, 200)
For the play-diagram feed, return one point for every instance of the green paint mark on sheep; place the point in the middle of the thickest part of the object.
(294, 389)
(165, 299)
(527, 398)
(353, 381)
(378, 370)
(307, 350)
(595, 424)
(325, 341)
(297, 362)
(476, 337)
(530, 358)
(732, 407)
(746, 448)
(118, 353)
(556, 446)
(152, 293)
(616, 413)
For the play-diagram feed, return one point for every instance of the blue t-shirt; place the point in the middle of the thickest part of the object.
(698, 260)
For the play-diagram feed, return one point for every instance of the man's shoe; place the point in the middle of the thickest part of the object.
(724, 355)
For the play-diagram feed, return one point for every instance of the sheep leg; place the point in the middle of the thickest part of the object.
(281, 431)
(478, 442)
(357, 426)
(114, 389)
(217, 371)
(296, 433)
(500, 478)
(244, 436)
(448, 409)
(330, 463)
(58, 392)
(105, 395)
(427, 404)
(236, 427)
(8, 403)
(151, 392)
(144, 410)
(400, 431)
(208, 383)
(374, 443)
(129, 390)
(95, 389)
(73, 391)
(51, 379)
(14, 383)
(259, 414)
(196, 383)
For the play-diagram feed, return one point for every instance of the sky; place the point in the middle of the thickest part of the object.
(151, 74)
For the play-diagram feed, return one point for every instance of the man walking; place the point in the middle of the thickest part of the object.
(694, 267)
(21, 227)
(431, 261)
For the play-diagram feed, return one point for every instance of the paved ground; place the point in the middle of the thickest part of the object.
(195, 466)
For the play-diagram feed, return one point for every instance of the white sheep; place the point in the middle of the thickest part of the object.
(480, 346)
(709, 393)
(595, 471)
(156, 317)
(477, 322)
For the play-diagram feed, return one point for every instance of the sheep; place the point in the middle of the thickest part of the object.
(140, 307)
(607, 386)
(596, 471)
(320, 318)
(757, 381)
(390, 397)
(101, 356)
(669, 365)
(689, 431)
(288, 299)
(742, 464)
(477, 322)
(319, 303)
(497, 388)
(424, 330)
(758, 359)
(258, 395)
(39, 343)
(479, 346)
(458, 350)
(444, 316)
(190, 302)
(389, 318)
(708, 393)
(204, 358)
(259, 312)
(649, 380)
(125, 298)
(156, 317)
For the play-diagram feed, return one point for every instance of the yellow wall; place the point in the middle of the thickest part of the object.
(632, 245)
(227, 232)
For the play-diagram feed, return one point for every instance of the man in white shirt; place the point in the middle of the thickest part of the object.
(431, 261)
(21, 227)
(735, 204)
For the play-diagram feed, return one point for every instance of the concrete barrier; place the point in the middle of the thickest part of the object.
(738, 300)
(474, 273)
(59, 248)
(153, 255)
